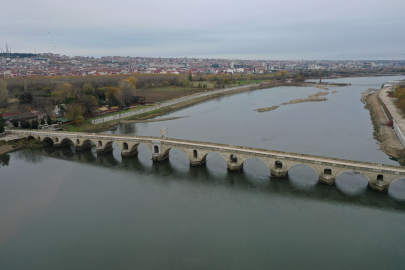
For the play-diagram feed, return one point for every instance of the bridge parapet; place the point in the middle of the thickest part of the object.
(380, 176)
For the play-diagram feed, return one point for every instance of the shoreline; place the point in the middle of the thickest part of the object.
(388, 141)
(104, 126)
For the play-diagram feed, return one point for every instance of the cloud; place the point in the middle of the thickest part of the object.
(233, 29)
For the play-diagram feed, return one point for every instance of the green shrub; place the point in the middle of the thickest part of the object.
(15, 123)
(25, 124)
(34, 124)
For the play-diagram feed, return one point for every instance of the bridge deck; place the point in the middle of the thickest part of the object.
(356, 165)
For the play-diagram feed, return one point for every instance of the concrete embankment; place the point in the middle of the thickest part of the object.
(394, 114)
(380, 116)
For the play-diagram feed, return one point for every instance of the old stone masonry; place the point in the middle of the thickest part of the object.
(379, 176)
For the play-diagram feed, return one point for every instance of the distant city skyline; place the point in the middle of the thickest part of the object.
(264, 30)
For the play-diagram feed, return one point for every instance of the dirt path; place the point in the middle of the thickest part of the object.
(389, 142)
(151, 120)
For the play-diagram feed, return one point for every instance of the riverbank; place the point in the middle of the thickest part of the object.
(104, 126)
(389, 143)
(14, 145)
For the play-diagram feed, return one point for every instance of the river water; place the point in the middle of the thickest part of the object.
(66, 210)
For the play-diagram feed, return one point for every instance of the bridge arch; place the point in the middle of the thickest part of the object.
(30, 137)
(303, 175)
(48, 140)
(85, 144)
(66, 141)
(260, 165)
(156, 149)
(352, 182)
(396, 189)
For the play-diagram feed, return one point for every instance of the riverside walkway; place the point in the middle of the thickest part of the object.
(379, 176)
(393, 113)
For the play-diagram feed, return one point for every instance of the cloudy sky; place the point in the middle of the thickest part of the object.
(261, 29)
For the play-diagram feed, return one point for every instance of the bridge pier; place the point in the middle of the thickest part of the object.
(83, 146)
(104, 150)
(129, 153)
(327, 179)
(198, 162)
(160, 157)
(379, 186)
(63, 143)
(278, 172)
(234, 166)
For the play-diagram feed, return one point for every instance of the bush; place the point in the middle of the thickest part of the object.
(15, 123)
(25, 124)
(2, 123)
(34, 124)
(42, 121)
(49, 120)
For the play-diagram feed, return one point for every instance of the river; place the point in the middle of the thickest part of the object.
(66, 210)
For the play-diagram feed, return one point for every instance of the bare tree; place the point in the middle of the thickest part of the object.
(127, 91)
(3, 94)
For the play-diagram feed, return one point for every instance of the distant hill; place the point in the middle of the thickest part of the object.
(19, 55)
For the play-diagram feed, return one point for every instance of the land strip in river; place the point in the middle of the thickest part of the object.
(313, 97)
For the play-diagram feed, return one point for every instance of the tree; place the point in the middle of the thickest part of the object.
(3, 94)
(89, 103)
(112, 91)
(15, 122)
(2, 123)
(25, 98)
(190, 77)
(25, 124)
(66, 90)
(321, 73)
(46, 91)
(88, 89)
(74, 112)
(34, 124)
(127, 90)
(134, 81)
(49, 120)
(112, 101)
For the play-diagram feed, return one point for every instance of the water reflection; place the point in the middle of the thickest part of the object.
(302, 182)
(4, 160)
(29, 155)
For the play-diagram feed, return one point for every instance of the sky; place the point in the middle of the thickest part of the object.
(258, 30)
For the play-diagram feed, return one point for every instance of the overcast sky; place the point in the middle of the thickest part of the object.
(261, 29)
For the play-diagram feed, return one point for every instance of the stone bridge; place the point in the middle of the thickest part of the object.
(379, 176)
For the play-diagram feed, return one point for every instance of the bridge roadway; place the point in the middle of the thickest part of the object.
(379, 176)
